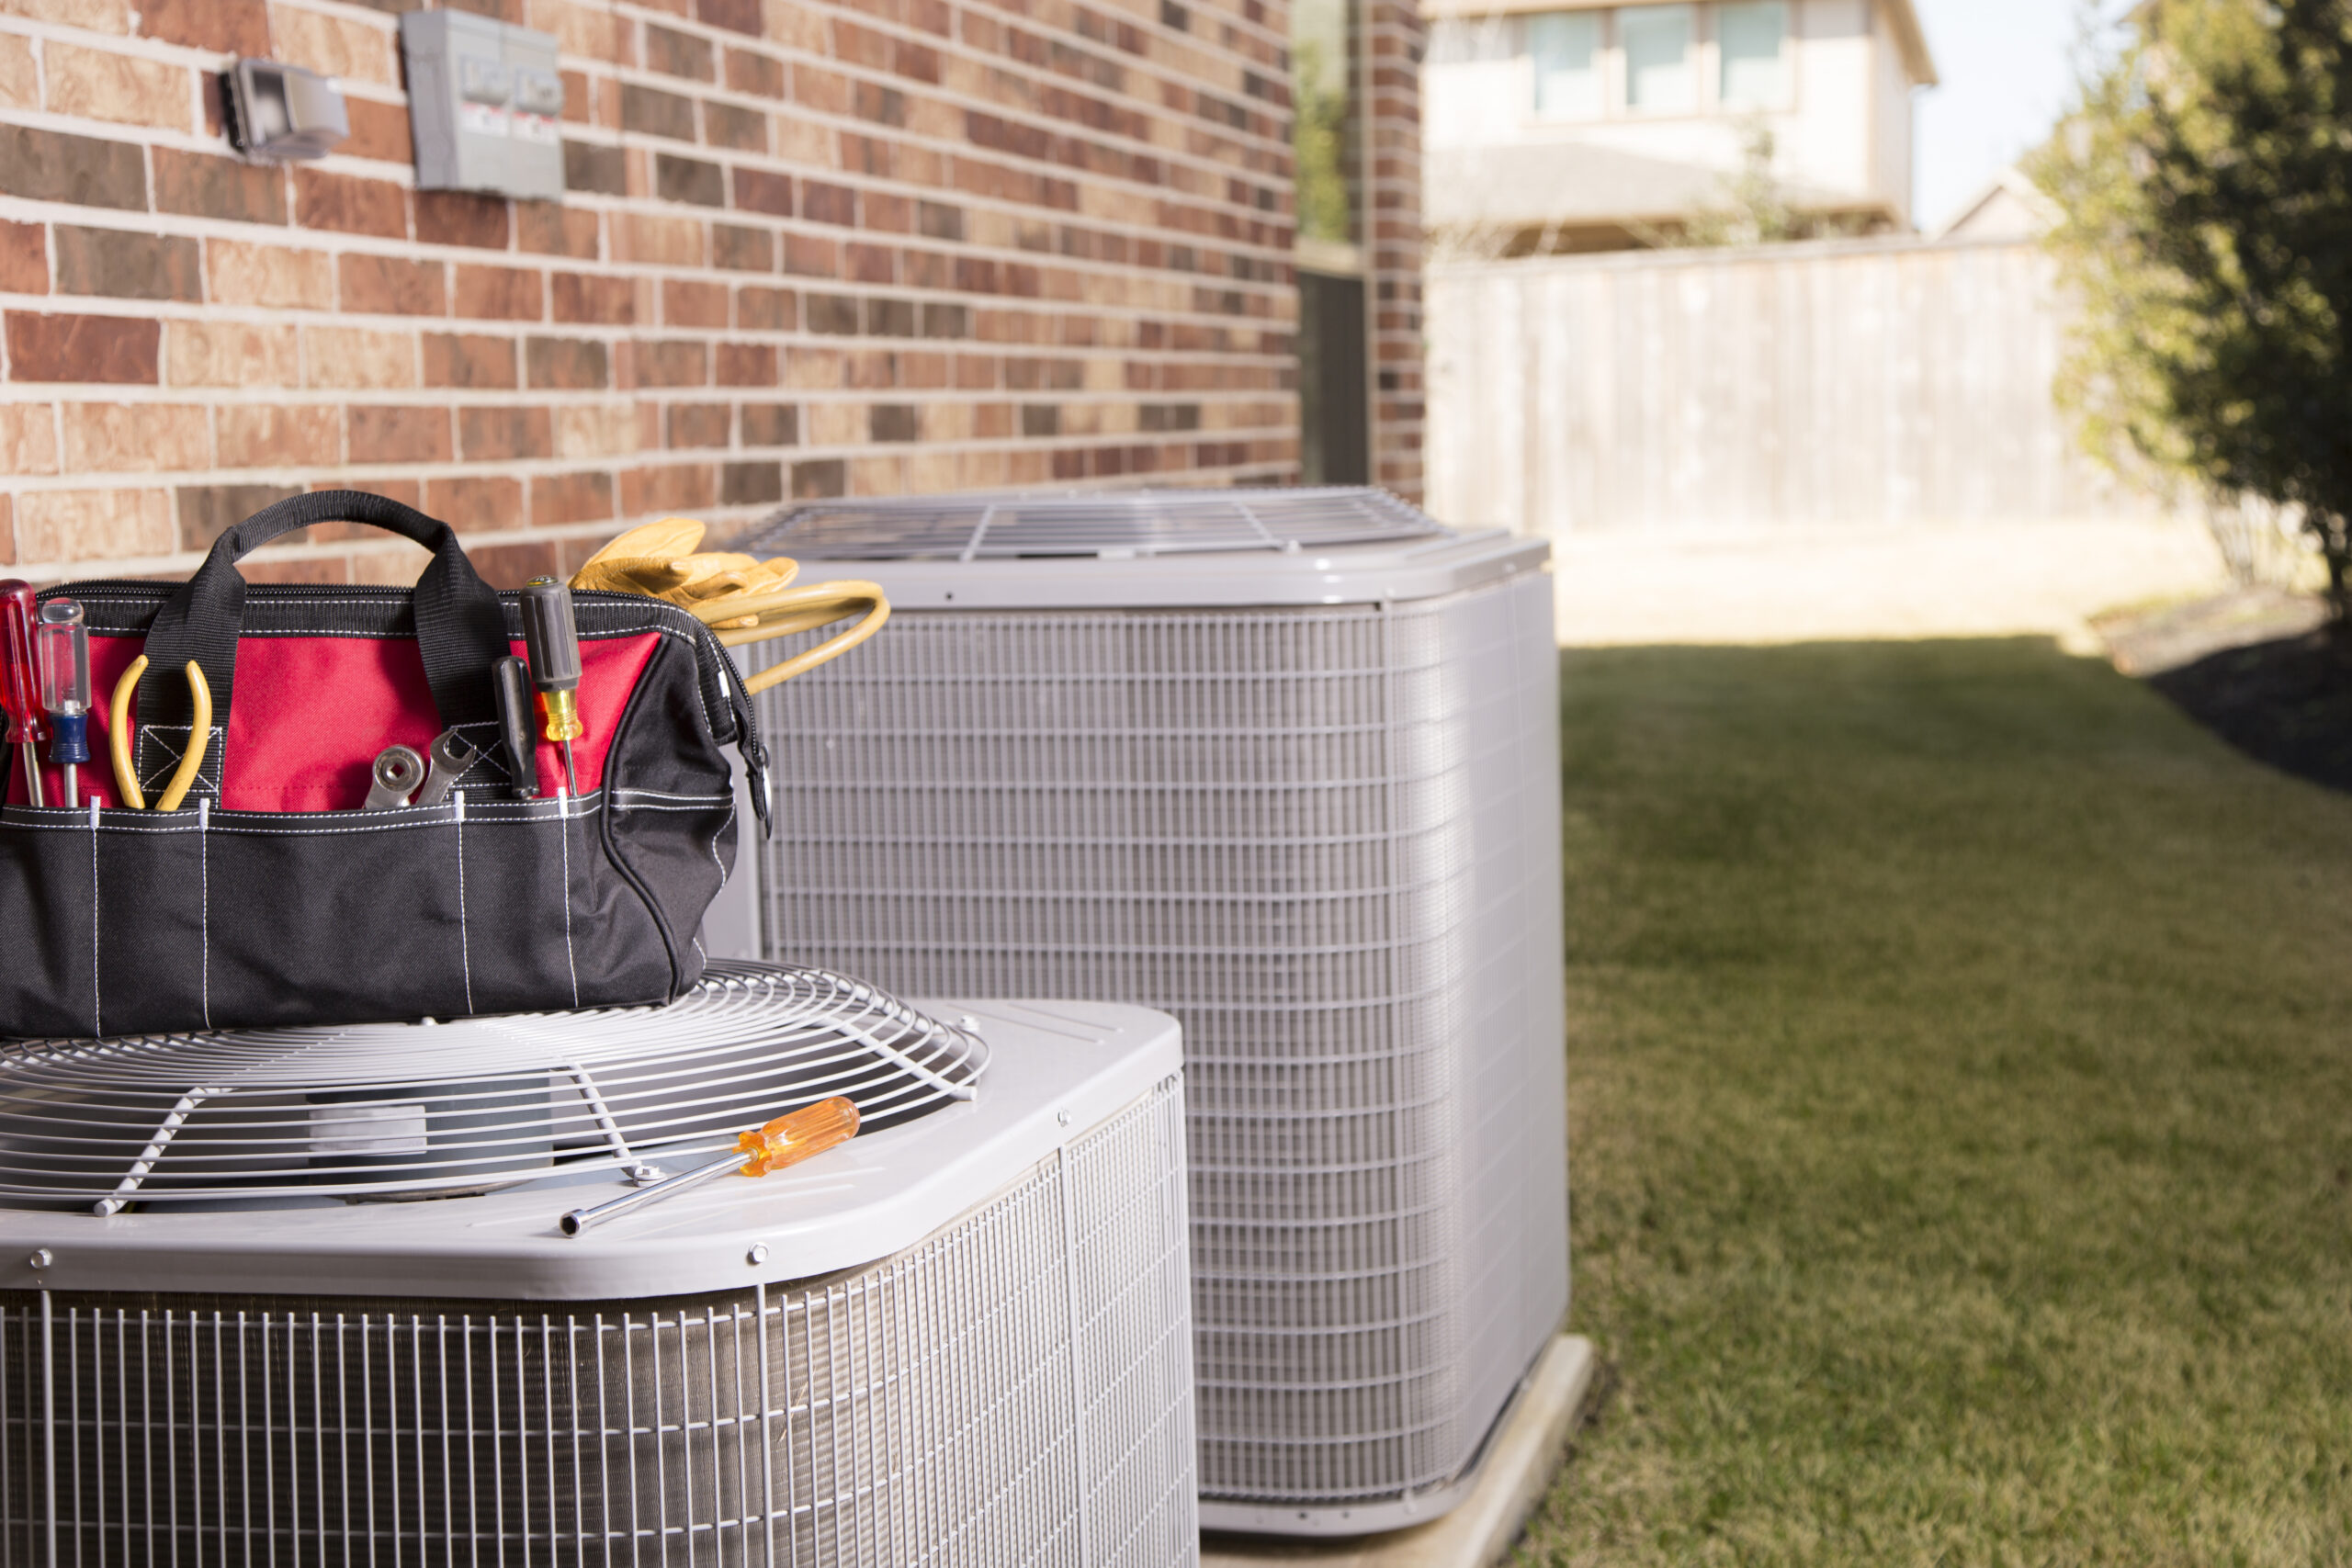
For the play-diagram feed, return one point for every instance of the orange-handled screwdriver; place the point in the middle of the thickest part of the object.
(792, 1137)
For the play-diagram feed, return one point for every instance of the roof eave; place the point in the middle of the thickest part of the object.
(1913, 41)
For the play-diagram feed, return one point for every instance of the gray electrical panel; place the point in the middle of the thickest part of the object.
(485, 102)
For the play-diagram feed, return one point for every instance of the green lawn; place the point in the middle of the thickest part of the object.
(1960, 1098)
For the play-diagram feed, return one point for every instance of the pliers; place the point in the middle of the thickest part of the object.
(200, 738)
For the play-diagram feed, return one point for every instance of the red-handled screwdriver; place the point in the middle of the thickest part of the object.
(20, 680)
(62, 640)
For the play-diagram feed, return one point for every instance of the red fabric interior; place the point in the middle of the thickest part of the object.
(310, 714)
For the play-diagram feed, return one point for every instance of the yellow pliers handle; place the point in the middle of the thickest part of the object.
(200, 738)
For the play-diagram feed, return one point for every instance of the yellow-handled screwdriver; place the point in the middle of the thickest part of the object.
(552, 644)
(792, 1137)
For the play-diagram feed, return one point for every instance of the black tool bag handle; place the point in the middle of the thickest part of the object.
(460, 629)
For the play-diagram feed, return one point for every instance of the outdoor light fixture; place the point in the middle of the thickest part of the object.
(279, 112)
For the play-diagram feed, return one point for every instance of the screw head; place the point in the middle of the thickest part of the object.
(41, 1259)
(1062, 1117)
(758, 1255)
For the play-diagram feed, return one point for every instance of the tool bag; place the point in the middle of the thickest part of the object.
(267, 898)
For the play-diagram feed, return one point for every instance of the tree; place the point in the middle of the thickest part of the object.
(2205, 180)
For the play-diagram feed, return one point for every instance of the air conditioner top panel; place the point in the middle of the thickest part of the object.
(1055, 1070)
(1143, 548)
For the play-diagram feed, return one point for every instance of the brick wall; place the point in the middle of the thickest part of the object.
(811, 248)
(1389, 204)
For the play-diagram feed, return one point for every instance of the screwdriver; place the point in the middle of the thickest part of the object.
(514, 684)
(62, 640)
(551, 639)
(18, 682)
(792, 1137)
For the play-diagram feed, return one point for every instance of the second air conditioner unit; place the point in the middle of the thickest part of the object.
(301, 1296)
(1283, 764)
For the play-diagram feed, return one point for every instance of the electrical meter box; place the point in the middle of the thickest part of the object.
(485, 102)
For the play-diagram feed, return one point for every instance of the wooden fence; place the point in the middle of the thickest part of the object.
(1852, 382)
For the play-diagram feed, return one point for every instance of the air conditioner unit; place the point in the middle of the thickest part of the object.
(1283, 764)
(324, 1313)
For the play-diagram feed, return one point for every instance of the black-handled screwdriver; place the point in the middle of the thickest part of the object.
(551, 640)
(514, 728)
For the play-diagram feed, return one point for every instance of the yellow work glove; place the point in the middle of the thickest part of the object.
(744, 599)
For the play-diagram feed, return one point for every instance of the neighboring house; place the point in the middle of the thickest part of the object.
(1566, 125)
(2010, 206)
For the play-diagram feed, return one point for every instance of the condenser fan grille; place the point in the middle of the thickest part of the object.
(413, 1110)
(1114, 526)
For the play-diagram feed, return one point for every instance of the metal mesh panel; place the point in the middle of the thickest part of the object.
(1098, 523)
(938, 1408)
(1326, 840)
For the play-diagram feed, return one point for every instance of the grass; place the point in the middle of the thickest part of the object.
(1961, 1096)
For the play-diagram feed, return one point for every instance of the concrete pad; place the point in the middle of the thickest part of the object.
(2039, 577)
(1518, 1471)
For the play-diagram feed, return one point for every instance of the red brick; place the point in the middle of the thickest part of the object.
(809, 256)
(699, 424)
(677, 488)
(207, 512)
(7, 533)
(468, 359)
(690, 180)
(94, 84)
(687, 304)
(511, 566)
(735, 15)
(82, 348)
(499, 293)
(476, 504)
(675, 53)
(349, 205)
(604, 300)
(557, 499)
(763, 310)
(24, 259)
(499, 433)
(548, 229)
(760, 74)
(202, 186)
(751, 484)
(400, 434)
(818, 479)
(730, 126)
(49, 166)
(824, 203)
(738, 248)
(221, 26)
(265, 437)
(756, 190)
(657, 113)
(567, 364)
(771, 424)
(390, 285)
(462, 218)
(378, 131)
(746, 365)
(128, 264)
(676, 361)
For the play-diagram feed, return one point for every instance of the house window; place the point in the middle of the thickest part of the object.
(1474, 88)
(1565, 46)
(1659, 78)
(1749, 36)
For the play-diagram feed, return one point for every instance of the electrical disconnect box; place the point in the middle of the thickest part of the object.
(485, 101)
